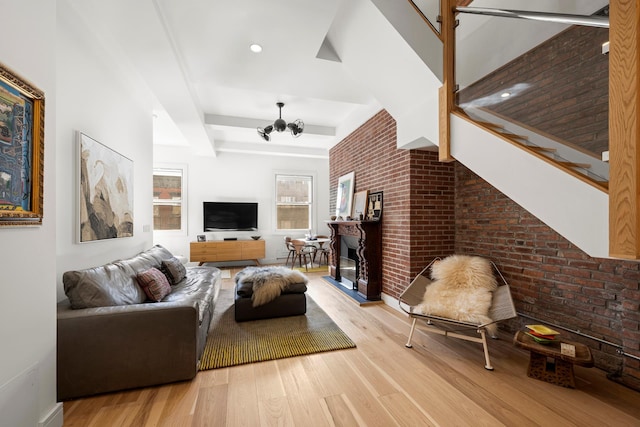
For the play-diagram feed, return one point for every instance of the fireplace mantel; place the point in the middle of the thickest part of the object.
(369, 235)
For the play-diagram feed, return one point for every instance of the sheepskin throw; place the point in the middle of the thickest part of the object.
(462, 289)
(268, 282)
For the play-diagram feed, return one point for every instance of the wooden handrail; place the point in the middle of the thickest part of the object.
(425, 19)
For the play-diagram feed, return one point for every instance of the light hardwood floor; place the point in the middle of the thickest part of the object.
(439, 382)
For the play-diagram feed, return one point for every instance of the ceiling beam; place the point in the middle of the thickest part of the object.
(249, 123)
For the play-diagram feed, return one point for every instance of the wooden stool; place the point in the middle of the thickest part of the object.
(547, 363)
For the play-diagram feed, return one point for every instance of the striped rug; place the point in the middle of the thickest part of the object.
(321, 269)
(230, 343)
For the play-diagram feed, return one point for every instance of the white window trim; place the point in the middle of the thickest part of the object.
(314, 203)
(184, 224)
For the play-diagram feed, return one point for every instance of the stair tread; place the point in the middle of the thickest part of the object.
(575, 165)
(489, 124)
(513, 135)
(537, 148)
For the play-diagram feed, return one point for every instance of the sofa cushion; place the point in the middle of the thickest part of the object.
(174, 270)
(145, 260)
(154, 283)
(193, 288)
(104, 286)
(245, 289)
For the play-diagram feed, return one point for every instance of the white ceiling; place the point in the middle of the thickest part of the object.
(210, 92)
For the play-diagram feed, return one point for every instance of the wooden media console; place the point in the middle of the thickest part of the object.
(227, 250)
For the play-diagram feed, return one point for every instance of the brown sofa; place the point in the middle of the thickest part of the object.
(110, 337)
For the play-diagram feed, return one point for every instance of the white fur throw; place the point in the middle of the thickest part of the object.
(462, 290)
(268, 282)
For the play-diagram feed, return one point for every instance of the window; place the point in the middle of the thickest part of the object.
(168, 212)
(294, 202)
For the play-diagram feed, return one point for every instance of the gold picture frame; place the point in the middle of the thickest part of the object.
(21, 151)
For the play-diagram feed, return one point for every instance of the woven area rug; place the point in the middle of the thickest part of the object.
(231, 343)
(321, 269)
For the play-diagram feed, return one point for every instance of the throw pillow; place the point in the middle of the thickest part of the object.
(154, 284)
(174, 270)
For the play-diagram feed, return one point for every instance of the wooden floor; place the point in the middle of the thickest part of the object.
(439, 382)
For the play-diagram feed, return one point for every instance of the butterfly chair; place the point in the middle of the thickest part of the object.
(502, 308)
(302, 252)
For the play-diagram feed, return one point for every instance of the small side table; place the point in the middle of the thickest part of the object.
(547, 363)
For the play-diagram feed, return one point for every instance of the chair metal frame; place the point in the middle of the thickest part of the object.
(502, 308)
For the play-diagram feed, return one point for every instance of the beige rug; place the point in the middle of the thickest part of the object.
(231, 343)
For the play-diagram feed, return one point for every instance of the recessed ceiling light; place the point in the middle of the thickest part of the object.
(255, 48)
(505, 94)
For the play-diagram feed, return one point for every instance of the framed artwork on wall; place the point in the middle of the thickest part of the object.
(344, 195)
(105, 193)
(360, 200)
(374, 210)
(21, 151)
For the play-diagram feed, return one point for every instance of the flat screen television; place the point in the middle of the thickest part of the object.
(230, 216)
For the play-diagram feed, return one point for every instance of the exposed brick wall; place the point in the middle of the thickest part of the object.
(418, 212)
(569, 93)
(551, 279)
(434, 209)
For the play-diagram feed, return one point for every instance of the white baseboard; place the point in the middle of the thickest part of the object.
(55, 417)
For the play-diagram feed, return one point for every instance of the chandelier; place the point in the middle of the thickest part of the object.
(296, 127)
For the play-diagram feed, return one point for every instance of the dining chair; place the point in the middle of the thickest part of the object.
(303, 251)
(323, 250)
(291, 254)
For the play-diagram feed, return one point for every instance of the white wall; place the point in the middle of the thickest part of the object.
(239, 177)
(27, 307)
(573, 208)
(98, 99)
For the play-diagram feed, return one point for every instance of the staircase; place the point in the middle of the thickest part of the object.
(533, 172)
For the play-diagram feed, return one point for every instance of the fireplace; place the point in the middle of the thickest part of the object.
(356, 256)
(349, 262)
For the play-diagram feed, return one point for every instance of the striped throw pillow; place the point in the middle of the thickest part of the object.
(154, 283)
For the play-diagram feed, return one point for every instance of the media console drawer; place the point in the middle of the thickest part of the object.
(227, 250)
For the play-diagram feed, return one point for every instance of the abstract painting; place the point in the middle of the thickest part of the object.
(344, 196)
(106, 192)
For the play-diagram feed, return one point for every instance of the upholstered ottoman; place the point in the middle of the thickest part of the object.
(267, 292)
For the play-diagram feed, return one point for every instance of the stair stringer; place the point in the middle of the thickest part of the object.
(576, 210)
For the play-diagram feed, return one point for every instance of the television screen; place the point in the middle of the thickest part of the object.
(239, 216)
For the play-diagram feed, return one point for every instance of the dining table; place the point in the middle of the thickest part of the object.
(318, 242)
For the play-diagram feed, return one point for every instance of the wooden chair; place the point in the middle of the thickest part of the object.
(323, 251)
(291, 250)
(502, 308)
(303, 251)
